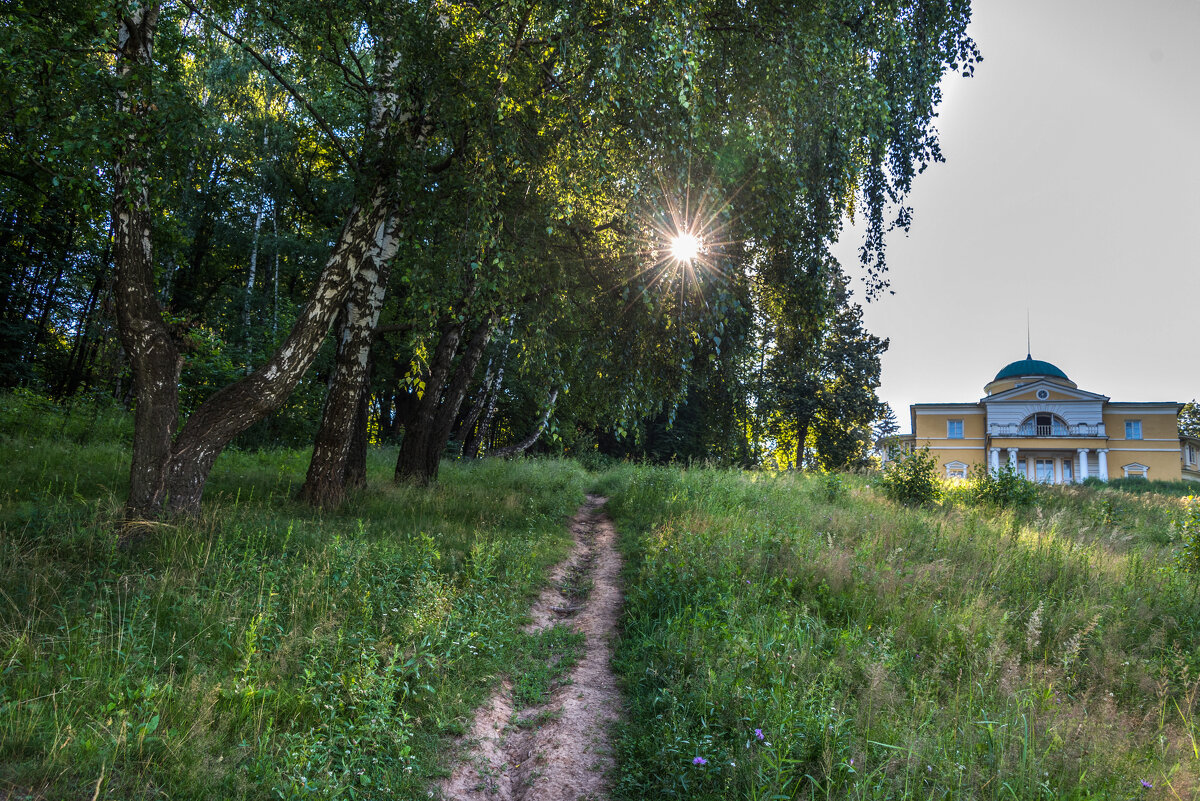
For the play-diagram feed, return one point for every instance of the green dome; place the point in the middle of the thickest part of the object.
(1030, 366)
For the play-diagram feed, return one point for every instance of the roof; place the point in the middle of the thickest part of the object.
(1029, 366)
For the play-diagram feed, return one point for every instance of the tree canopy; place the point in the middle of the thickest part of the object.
(478, 200)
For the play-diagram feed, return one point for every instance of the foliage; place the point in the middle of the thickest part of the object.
(886, 652)
(832, 487)
(1005, 489)
(912, 479)
(547, 152)
(1189, 419)
(1187, 530)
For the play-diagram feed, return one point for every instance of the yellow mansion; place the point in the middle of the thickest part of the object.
(1038, 421)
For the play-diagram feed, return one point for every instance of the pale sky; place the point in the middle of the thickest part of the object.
(1071, 188)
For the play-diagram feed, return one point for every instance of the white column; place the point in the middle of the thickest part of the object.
(1103, 463)
(1083, 465)
(1012, 459)
(1058, 473)
(994, 461)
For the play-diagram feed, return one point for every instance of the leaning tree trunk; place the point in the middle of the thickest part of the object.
(525, 444)
(233, 409)
(175, 473)
(148, 342)
(426, 437)
(324, 484)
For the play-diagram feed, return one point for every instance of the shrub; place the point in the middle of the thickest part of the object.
(912, 479)
(1007, 488)
(1187, 526)
(832, 488)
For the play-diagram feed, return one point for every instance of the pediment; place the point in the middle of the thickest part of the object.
(1027, 393)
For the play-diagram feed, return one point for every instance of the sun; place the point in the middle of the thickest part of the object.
(685, 247)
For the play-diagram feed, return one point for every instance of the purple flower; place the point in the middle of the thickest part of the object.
(1147, 784)
(699, 761)
(758, 735)
(851, 760)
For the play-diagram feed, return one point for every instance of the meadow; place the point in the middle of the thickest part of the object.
(805, 638)
(783, 636)
(265, 650)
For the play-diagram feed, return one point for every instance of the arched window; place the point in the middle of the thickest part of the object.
(1044, 424)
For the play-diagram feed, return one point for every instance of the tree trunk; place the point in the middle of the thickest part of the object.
(275, 279)
(149, 344)
(367, 233)
(411, 462)
(80, 348)
(175, 473)
(532, 437)
(425, 439)
(324, 484)
(802, 442)
(258, 217)
(479, 439)
(464, 429)
(356, 457)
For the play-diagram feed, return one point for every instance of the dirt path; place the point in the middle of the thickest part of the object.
(567, 755)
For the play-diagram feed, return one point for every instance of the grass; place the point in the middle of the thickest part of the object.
(783, 636)
(265, 650)
(885, 652)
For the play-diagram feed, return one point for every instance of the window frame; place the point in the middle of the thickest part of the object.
(1133, 425)
(950, 429)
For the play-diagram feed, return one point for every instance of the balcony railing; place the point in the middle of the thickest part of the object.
(1055, 430)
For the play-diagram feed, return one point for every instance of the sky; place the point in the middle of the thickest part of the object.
(1071, 191)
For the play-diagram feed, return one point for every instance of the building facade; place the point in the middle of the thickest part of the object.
(1036, 420)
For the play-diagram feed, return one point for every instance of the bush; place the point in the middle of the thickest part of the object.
(1187, 526)
(912, 479)
(1006, 489)
(832, 488)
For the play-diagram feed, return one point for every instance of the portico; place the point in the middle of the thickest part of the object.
(1051, 466)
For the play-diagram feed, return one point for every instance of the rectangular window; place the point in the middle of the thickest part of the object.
(1045, 471)
(1068, 471)
(954, 429)
(1133, 429)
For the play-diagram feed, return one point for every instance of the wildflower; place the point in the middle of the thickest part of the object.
(851, 761)
(699, 761)
(1147, 785)
(758, 735)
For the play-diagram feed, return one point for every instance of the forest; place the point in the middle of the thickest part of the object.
(454, 227)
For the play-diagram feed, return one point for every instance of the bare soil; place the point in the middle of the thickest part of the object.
(560, 750)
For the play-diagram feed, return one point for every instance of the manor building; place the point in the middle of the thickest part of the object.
(1045, 427)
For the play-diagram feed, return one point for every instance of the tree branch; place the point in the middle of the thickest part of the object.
(321, 123)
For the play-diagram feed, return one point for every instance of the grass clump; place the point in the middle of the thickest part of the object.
(777, 645)
(265, 649)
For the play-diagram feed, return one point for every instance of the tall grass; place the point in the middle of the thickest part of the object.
(782, 641)
(265, 650)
